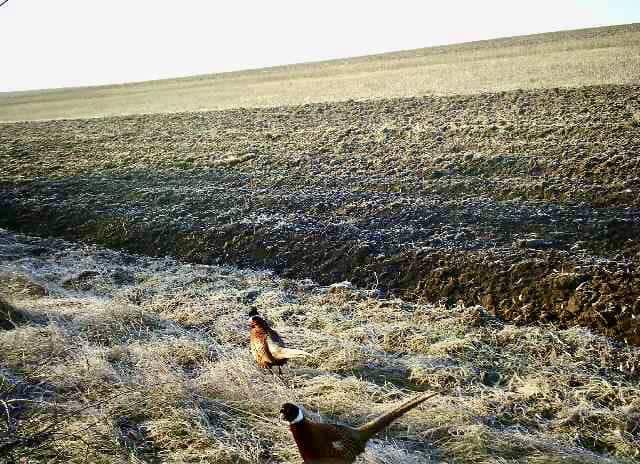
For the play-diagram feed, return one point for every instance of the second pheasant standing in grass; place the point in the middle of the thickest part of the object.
(267, 346)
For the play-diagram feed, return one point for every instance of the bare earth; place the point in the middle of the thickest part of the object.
(525, 202)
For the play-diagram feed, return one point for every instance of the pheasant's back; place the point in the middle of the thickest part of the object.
(274, 336)
(328, 443)
(351, 444)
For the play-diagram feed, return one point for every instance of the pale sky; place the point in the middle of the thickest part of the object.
(60, 43)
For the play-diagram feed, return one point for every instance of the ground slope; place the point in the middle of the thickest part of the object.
(525, 202)
(607, 55)
(120, 358)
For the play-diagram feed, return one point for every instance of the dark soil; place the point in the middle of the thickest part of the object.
(526, 202)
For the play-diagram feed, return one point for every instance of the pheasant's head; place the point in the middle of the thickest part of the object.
(257, 321)
(254, 319)
(291, 413)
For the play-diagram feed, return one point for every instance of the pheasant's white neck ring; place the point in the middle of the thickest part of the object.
(298, 418)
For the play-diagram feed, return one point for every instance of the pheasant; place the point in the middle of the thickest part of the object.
(267, 346)
(321, 443)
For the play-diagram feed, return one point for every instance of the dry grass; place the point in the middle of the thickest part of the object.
(566, 59)
(158, 370)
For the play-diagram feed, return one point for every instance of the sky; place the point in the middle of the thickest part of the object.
(62, 43)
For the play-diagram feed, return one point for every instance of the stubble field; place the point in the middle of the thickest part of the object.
(607, 55)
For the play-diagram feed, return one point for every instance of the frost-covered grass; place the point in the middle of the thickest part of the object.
(129, 359)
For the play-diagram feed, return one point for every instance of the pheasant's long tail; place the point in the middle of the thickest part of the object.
(371, 428)
(289, 353)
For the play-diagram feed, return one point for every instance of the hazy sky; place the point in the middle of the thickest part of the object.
(56, 43)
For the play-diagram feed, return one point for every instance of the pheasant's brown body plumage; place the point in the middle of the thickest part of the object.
(260, 348)
(320, 443)
(327, 443)
(267, 346)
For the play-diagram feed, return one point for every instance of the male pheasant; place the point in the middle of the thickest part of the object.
(321, 443)
(267, 346)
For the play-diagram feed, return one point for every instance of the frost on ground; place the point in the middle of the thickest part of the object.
(110, 357)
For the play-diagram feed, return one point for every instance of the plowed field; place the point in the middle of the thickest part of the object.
(527, 202)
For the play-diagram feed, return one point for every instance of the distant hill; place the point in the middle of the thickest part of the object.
(607, 55)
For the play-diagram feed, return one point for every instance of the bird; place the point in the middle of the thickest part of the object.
(267, 346)
(325, 443)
